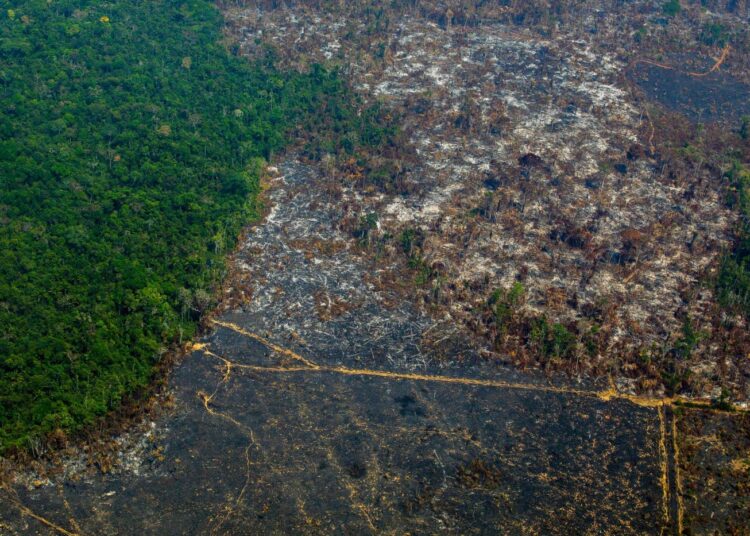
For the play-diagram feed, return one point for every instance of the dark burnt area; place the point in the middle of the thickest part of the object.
(715, 97)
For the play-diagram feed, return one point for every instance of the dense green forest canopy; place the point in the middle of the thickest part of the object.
(733, 283)
(131, 142)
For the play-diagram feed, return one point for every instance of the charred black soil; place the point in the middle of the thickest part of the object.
(703, 99)
(714, 458)
(342, 393)
(286, 422)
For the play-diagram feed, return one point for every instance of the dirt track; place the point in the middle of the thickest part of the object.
(349, 425)
(323, 403)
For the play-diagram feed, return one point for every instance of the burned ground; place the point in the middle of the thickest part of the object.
(538, 159)
(704, 99)
(715, 460)
(288, 422)
(359, 378)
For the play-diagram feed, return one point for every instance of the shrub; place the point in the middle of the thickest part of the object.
(671, 8)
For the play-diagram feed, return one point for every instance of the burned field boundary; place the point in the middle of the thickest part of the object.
(667, 410)
(547, 204)
(703, 97)
(309, 366)
(357, 380)
(395, 484)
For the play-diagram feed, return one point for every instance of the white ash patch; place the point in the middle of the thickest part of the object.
(558, 98)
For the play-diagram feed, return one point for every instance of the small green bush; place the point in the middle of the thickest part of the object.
(671, 8)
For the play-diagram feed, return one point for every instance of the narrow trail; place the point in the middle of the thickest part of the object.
(670, 479)
(605, 395)
(719, 61)
(680, 506)
(664, 464)
(724, 55)
(26, 511)
(715, 67)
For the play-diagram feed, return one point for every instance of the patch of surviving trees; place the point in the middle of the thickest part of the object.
(131, 145)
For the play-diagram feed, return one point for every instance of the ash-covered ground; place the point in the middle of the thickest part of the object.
(341, 394)
(301, 417)
(534, 161)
